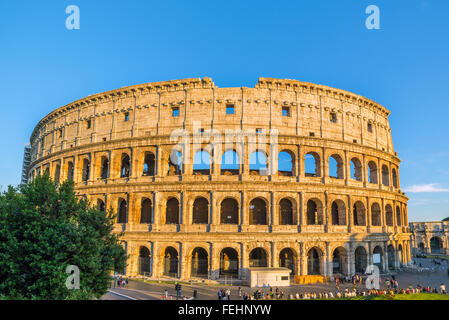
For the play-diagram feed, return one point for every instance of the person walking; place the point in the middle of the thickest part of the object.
(442, 288)
(219, 294)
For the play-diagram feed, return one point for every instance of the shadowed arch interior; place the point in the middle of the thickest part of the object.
(199, 263)
(286, 212)
(200, 211)
(258, 258)
(229, 211)
(172, 211)
(258, 212)
(146, 211)
(229, 262)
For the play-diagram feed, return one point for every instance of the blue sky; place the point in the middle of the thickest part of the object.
(404, 65)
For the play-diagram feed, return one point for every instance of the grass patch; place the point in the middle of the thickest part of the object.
(416, 296)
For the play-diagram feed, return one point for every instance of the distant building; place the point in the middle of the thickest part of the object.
(26, 163)
(430, 237)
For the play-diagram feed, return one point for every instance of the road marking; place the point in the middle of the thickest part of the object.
(122, 295)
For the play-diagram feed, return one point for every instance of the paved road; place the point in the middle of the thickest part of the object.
(151, 291)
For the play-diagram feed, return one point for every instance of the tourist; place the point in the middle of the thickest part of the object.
(442, 288)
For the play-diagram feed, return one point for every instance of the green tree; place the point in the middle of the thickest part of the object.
(44, 229)
(446, 219)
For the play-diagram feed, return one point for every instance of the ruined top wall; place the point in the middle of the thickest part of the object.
(149, 112)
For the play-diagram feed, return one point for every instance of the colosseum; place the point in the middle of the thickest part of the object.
(208, 182)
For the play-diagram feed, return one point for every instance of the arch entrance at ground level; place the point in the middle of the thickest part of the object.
(258, 258)
(171, 262)
(229, 262)
(287, 259)
(200, 264)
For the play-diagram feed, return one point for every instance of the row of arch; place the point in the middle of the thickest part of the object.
(229, 260)
(230, 212)
(230, 165)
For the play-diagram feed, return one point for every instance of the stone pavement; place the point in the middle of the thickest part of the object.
(151, 291)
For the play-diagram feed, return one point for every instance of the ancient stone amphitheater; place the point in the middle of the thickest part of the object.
(208, 182)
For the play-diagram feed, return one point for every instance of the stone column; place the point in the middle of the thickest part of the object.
(156, 268)
(385, 258)
(327, 262)
(182, 262)
(244, 261)
(302, 260)
(274, 255)
(274, 210)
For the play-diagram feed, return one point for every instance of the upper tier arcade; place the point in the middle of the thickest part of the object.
(295, 108)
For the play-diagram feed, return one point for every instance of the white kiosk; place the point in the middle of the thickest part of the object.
(265, 277)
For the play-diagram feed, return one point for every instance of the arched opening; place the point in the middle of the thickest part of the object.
(312, 165)
(285, 212)
(175, 163)
(395, 178)
(229, 262)
(336, 167)
(398, 216)
(122, 211)
(339, 261)
(172, 211)
(360, 259)
(230, 163)
(338, 211)
(375, 215)
(378, 259)
(287, 259)
(200, 211)
(149, 164)
(258, 164)
(356, 169)
(171, 262)
(285, 163)
(314, 212)
(70, 170)
(390, 251)
(258, 212)
(125, 165)
(314, 258)
(359, 214)
(144, 261)
(86, 170)
(57, 174)
(372, 172)
(385, 176)
(100, 205)
(258, 258)
(201, 163)
(200, 264)
(104, 170)
(400, 256)
(421, 247)
(389, 215)
(229, 213)
(435, 245)
(146, 211)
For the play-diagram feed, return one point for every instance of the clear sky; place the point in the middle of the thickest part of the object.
(403, 66)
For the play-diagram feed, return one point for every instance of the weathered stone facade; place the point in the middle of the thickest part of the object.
(430, 237)
(183, 221)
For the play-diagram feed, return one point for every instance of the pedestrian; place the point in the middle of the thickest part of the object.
(219, 294)
(240, 292)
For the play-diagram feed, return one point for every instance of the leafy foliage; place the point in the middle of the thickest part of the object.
(43, 229)
(446, 219)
